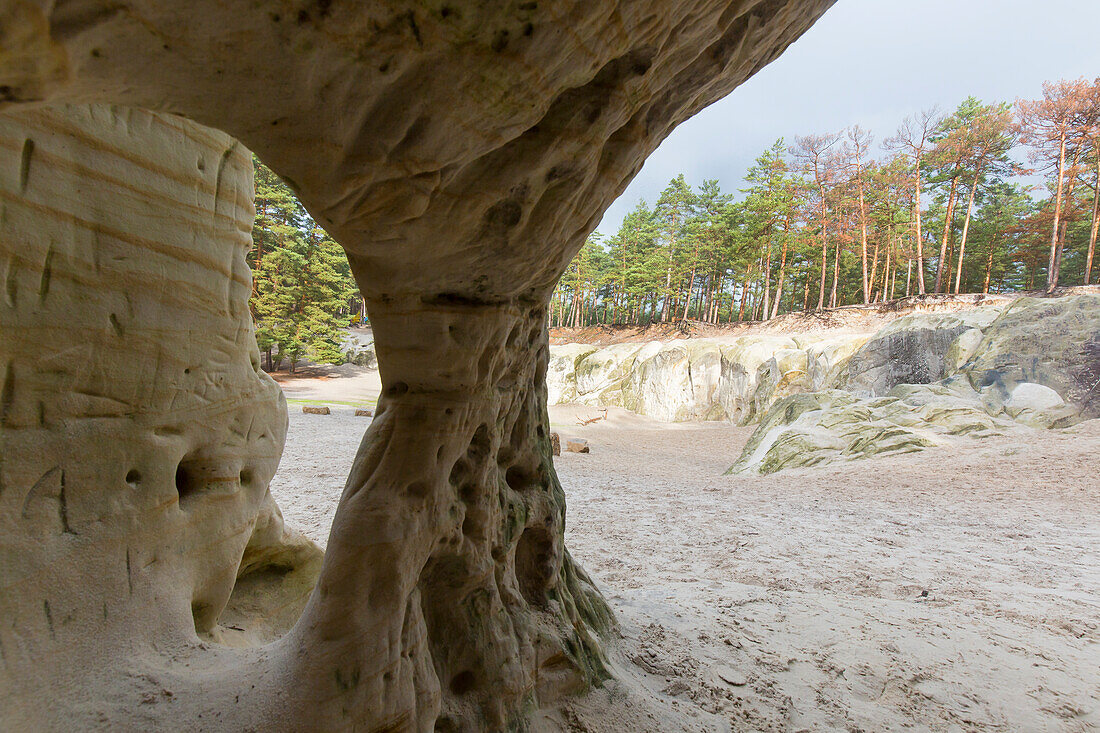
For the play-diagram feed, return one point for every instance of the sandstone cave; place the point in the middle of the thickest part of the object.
(460, 153)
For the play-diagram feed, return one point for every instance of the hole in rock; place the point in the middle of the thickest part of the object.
(133, 476)
(418, 489)
(186, 482)
(518, 478)
(535, 566)
(479, 444)
(207, 477)
(463, 682)
(458, 471)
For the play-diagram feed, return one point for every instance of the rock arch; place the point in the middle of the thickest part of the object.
(460, 153)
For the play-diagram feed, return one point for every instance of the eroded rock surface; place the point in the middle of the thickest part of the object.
(820, 427)
(732, 379)
(460, 153)
(1036, 363)
(738, 378)
(917, 349)
(138, 433)
(1051, 342)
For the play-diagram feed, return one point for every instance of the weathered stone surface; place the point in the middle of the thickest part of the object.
(999, 343)
(1054, 342)
(819, 427)
(917, 349)
(732, 378)
(138, 433)
(1036, 364)
(1030, 396)
(460, 154)
(357, 347)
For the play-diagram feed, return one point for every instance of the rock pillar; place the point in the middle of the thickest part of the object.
(446, 588)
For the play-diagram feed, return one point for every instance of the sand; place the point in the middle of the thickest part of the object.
(953, 589)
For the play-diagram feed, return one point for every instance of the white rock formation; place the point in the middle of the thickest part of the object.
(1051, 341)
(694, 379)
(738, 378)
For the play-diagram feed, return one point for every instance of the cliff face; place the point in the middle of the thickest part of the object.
(138, 433)
(821, 395)
(460, 153)
(738, 377)
(1037, 363)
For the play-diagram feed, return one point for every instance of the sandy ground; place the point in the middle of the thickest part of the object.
(954, 589)
(346, 385)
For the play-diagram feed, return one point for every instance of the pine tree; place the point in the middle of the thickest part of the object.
(302, 285)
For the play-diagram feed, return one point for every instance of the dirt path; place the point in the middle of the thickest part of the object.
(953, 589)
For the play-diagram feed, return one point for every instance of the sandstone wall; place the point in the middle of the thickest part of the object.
(737, 378)
(1036, 364)
(138, 433)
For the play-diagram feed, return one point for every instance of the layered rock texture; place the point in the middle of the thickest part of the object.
(1037, 363)
(139, 434)
(460, 153)
(738, 377)
(938, 369)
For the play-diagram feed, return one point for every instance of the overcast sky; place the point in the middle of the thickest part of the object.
(873, 62)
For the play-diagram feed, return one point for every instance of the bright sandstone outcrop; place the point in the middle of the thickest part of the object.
(738, 378)
(1037, 363)
(460, 153)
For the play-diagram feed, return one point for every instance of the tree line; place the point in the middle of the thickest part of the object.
(303, 292)
(940, 206)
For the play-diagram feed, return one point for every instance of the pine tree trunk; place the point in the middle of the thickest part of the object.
(948, 217)
(767, 280)
(836, 274)
(1052, 267)
(782, 273)
(988, 266)
(863, 235)
(1066, 213)
(920, 241)
(745, 293)
(874, 274)
(690, 290)
(1095, 221)
(887, 283)
(966, 229)
(824, 250)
